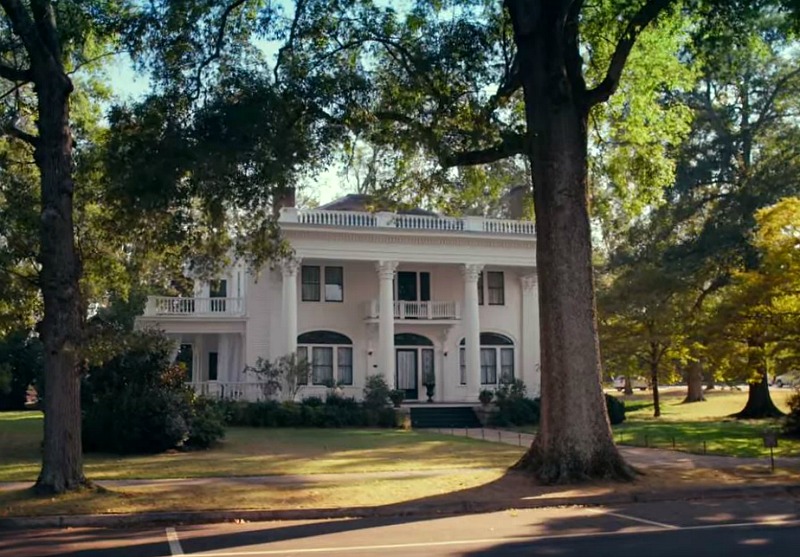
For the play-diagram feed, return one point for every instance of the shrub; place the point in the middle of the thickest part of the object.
(512, 407)
(616, 409)
(486, 396)
(21, 365)
(791, 423)
(376, 392)
(136, 401)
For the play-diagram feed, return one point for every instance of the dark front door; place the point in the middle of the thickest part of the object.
(406, 372)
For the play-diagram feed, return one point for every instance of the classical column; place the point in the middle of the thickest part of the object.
(529, 361)
(386, 271)
(289, 270)
(223, 357)
(472, 330)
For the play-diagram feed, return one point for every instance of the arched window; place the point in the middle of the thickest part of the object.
(497, 359)
(411, 339)
(330, 355)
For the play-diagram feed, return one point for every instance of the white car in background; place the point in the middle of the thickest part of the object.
(791, 379)
(636, 383)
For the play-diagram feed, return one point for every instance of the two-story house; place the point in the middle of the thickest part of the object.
(405, 295)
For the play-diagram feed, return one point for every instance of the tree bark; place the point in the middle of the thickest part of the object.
(694, 382)
(574, 441)
(654, 385)
(628, 388)
(61, 326)
(759, 402)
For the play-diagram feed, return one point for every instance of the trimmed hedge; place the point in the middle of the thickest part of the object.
(616, 409)
(335, 411)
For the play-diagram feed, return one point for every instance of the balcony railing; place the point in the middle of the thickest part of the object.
(192, 307)
(358, 219)
(418, 310)
(229, 390)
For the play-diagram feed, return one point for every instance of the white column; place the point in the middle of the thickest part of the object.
(472, 330)
(224, 358)
(386, 271)
(198, 359)
(530, 371)
(289, 270)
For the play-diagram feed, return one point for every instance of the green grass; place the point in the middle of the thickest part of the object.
(702, 426)
(256, 452)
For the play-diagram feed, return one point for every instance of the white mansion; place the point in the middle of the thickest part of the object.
(405, 295)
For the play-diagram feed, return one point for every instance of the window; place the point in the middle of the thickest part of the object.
(488, 366)
(496, 288)
(496, 359)
(480, 289)
(462, 364)
(506, 365)
(302, 356)
(186, 358)
(213, 365)
(322, 365)
(310, 283)
(344, 363)
(334, 284)
(327, 364)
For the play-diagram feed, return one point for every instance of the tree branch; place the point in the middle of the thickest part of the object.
(572, 54)
(218, 44)
(646, 14)
(15, 74)
(12, 131)
(508, 147)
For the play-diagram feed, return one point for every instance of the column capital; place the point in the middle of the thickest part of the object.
(529, 282)
(289, 267)
(471, 272)
(386, 269)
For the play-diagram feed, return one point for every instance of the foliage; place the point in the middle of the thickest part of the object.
(287, 374)
(397, 396)
(334, 412)
(376, 391)
(616, 409)
(22, 365)
(512, 407)
(136, 401)
(485, 396)
(791, 424)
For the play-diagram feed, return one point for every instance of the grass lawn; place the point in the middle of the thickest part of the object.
(688, 426)
(262, 452)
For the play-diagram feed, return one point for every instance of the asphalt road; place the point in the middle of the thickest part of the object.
(733, 528)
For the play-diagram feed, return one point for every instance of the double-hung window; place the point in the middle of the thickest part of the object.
(496, 288)
(334, 284)
(310, 283)
(330, 356)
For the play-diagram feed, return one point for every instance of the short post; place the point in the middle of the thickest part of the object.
(483, 434)
(519, 435)
(704, 446)
(466, 432)
(499, 435)
(770, 442)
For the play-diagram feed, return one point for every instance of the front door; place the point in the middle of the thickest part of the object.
(407, 372)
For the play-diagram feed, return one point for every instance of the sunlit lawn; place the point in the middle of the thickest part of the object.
(264, 451)
(702, 426)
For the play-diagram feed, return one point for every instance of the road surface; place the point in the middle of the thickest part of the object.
(733, 528)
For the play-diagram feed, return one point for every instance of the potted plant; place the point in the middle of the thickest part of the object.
(397, 396)
(429, 380)
(486, 396)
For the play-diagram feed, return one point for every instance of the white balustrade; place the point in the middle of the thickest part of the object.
(228, 390)
(417, 310)
(170, 305)
(362, 219)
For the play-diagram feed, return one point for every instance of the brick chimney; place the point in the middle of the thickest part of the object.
(284, 197)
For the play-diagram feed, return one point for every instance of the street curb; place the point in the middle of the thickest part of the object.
(399, 510)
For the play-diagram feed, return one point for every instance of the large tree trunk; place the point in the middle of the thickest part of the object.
(694, 382)
(759, 402)
(628, 388)
(574, 441)
(61, 327)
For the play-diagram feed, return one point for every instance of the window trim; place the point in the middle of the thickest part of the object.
(308, 341)
(497, 342)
